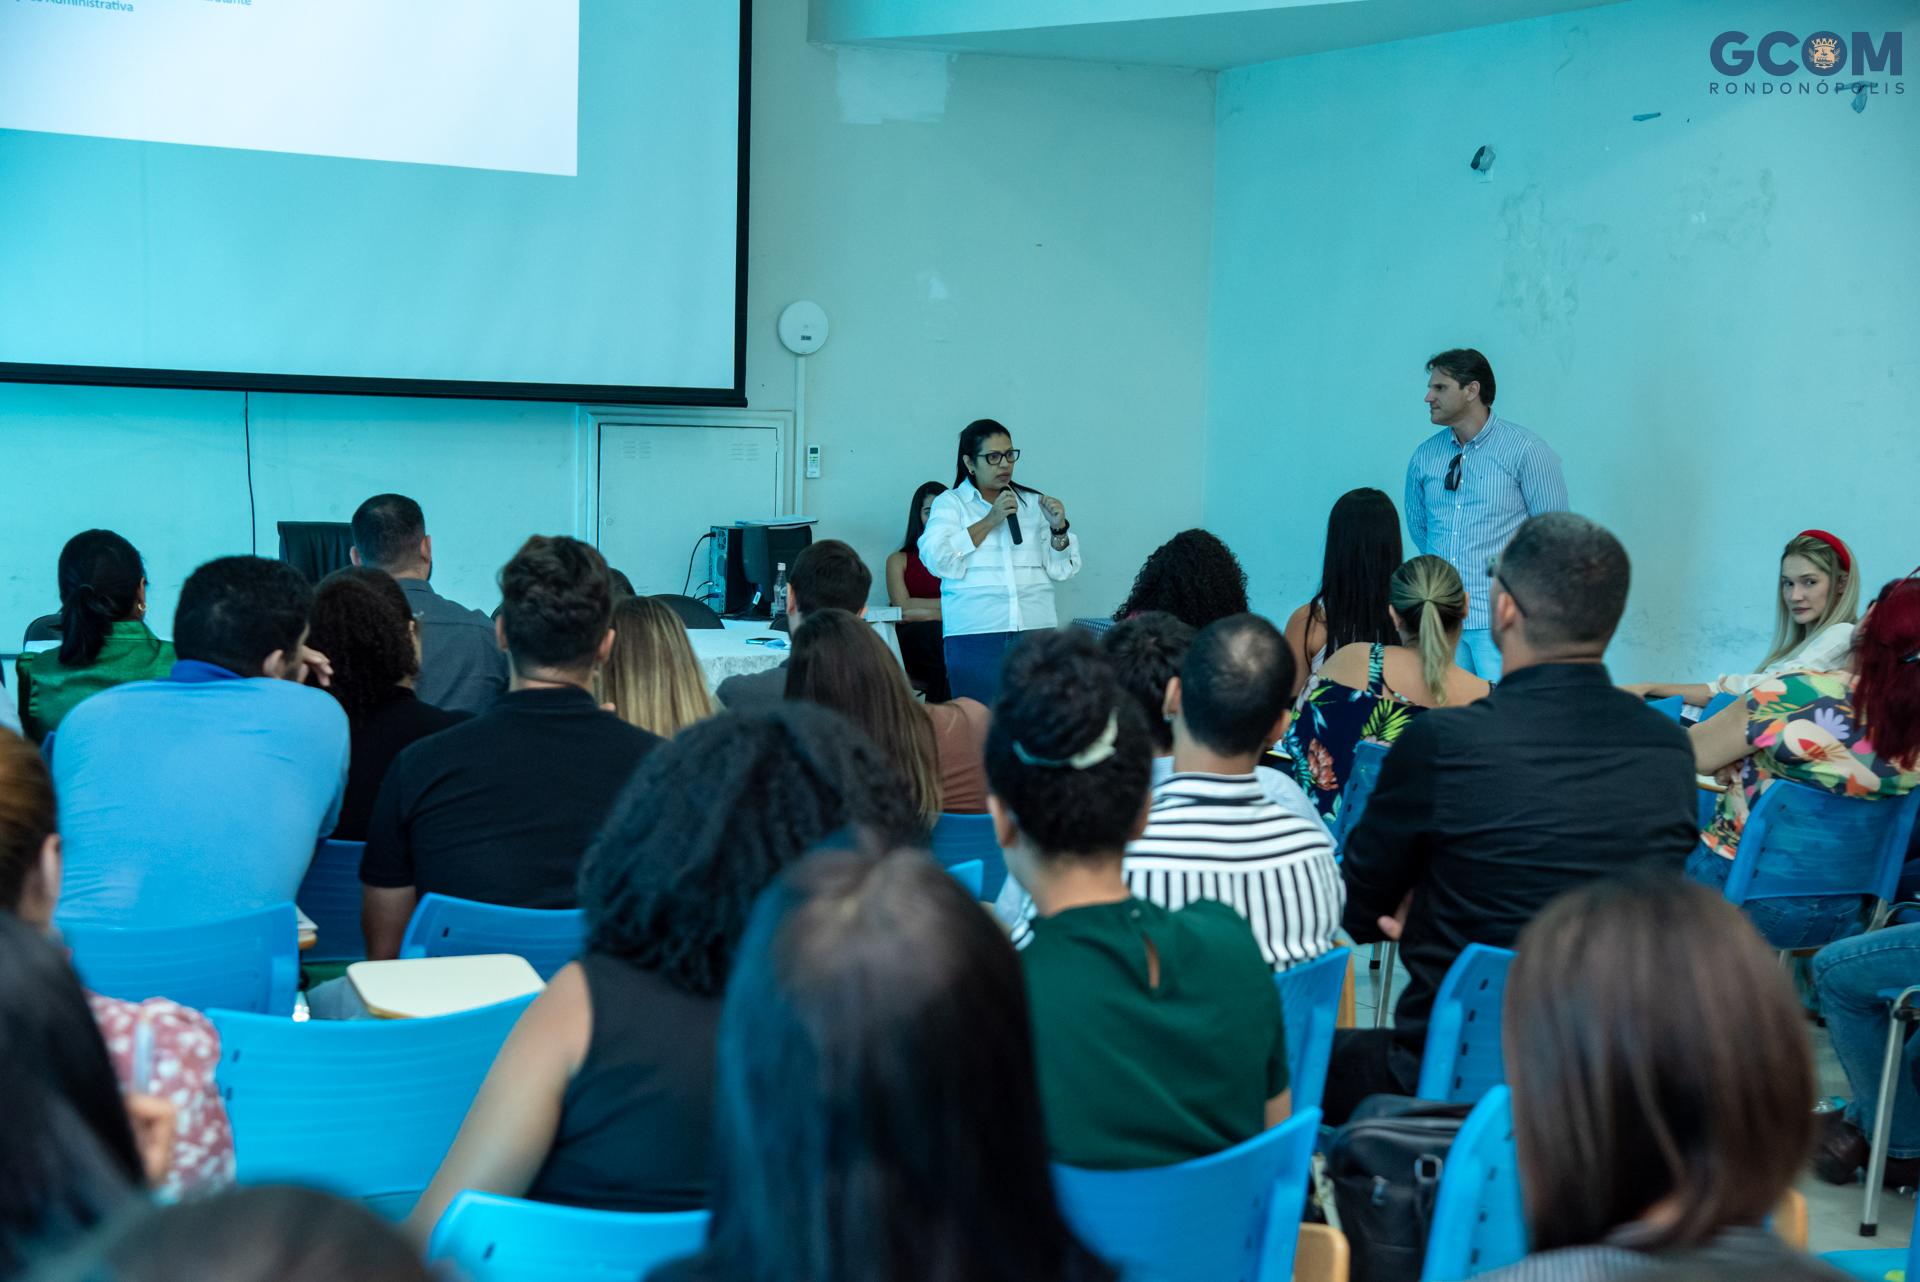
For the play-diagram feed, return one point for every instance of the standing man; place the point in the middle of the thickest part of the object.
(462, 667)
(1472, 484)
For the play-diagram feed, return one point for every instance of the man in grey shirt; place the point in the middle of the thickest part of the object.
(825, 574)
(461, 664)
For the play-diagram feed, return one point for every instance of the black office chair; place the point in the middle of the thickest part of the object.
(45, 628)
(316, 548)
(693, 612)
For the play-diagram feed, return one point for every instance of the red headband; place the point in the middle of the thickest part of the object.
(1839, 548)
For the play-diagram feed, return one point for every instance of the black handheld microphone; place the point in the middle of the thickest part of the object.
(1013, 527)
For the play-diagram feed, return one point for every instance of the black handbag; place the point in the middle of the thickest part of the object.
(1385, 1166)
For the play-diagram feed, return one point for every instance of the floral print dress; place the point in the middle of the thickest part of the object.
(1803, 726)
(1332, 720)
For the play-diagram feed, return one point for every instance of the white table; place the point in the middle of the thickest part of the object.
(732, 651)
(419, 987)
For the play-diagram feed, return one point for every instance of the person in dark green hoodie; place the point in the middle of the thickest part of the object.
(104, 638)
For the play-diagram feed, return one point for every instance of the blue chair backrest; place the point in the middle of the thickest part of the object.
(1310, 1005)
(1365, 772)
(1233, 1216)
(1714, 706)
(1805, 841)
(1668, 707)
(958, 838)
(330, 894)
(1876, 1263)
(250, 962)
(1477, 1222)
(46, 748)
(363, 1108)
(490, 1238)
(968, 875)
(1462, 1060)
(442, 926)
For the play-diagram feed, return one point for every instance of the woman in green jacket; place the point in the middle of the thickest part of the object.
(104, 639)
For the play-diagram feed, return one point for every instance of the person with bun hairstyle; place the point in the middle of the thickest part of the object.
(1157, 1031)
(1815, 609)
(104, 637)
(1371, 692)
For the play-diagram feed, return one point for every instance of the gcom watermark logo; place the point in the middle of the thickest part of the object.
(1781, 54)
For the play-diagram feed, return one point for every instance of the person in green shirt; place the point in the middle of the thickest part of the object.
(1157, 1033)
(104, 639)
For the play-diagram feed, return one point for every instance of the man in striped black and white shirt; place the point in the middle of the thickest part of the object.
(1212, 832)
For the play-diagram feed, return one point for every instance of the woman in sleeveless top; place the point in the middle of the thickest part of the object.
(913, 587)
(1363, 549)
(602, 1095)
(1356, 695)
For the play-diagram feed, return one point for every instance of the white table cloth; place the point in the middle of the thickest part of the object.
(731, 652)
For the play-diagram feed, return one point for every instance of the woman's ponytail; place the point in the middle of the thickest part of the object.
(1431, 602)
(100, 577)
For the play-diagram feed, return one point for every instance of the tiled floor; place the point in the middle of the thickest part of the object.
(1833, 1214)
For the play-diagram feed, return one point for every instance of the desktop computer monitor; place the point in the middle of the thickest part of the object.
(763, 550)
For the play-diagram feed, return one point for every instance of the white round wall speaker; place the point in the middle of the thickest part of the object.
(803, 328)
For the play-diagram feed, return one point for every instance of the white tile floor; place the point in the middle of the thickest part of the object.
(1833, 1214)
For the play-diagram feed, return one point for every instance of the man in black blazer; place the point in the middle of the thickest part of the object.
(1483, 814)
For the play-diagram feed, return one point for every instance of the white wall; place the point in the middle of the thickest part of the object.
(1031, 245)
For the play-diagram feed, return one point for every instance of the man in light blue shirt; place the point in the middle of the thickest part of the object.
(1472, 484)
(202, 795)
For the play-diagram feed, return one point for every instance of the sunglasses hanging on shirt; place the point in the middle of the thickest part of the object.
(1453, 471)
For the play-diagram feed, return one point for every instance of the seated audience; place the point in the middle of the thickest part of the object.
(271, 1233)
(1484, 813)
(104, 637)
(185, 1048)
(1854, 731)
(1660, 1076)
(913, 587)
(461, 666)
(73, 1151)
(1849, 976)
(652, 678)
(202, 795)
(622, 585)
(362, 623)
(1213, 833)
(1157, 1033)
(1371, 692)
(877, 1117)
(501, 808)
(937, 749)
(1815, 607)
(603, 1094)
(827, 575)
(1363, 551)
(1193, 576)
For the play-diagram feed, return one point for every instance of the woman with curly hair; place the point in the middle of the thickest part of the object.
(603, 1094)
(1193, 576)
(362, 614)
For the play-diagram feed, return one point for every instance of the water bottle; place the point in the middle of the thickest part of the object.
(778, 606)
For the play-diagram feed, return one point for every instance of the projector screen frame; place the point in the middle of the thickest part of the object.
(465, 389)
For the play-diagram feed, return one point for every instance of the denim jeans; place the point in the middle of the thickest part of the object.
(1847, 975)
(973, 664)
(1803, 922)
(1478, 654)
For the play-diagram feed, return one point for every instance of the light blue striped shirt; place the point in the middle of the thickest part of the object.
(1507, 474)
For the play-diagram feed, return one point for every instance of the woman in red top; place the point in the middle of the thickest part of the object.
(917, 592)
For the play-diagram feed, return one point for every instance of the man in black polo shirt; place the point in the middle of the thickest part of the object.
(1483, 814)
(501, 808)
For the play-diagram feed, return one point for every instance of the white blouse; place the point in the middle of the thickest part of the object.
(999, 586)
(1824, 651)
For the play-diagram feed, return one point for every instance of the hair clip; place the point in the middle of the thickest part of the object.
(1091, 755)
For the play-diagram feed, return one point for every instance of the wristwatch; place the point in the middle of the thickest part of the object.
(1062, 531)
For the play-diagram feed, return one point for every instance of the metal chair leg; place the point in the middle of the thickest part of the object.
(1390, 954)
(1882, 1128)
(1375, 963)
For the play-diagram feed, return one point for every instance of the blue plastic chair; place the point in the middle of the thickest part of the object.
(46, 748)
(1310, 1004)
(958, 838)
(330, 894)
(363, 1108)
(1462, 1061)
(250, 962)
(1477, 1222)
(1714, 706)
(1367, 759)
(442, 926)
(1668, 707)
(968, 875)
(1805, 841)
(1233, 1216)
(490, 1238)
(1875, 1264)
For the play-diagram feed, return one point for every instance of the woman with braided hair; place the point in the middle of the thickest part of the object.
(603, 1094)
(104, 637)
(1157, 1032)
(362, 613)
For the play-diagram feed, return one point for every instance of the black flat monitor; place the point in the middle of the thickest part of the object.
(763, 550)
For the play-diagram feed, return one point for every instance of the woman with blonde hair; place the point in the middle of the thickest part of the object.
(652, 678)
(1815, 611)
(1369, 691)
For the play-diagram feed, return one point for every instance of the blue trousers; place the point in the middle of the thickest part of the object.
(1478, 654)
(973, 664)
(1807, 921)
(1848, 975)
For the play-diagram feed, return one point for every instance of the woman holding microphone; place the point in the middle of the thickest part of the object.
(997, 549)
